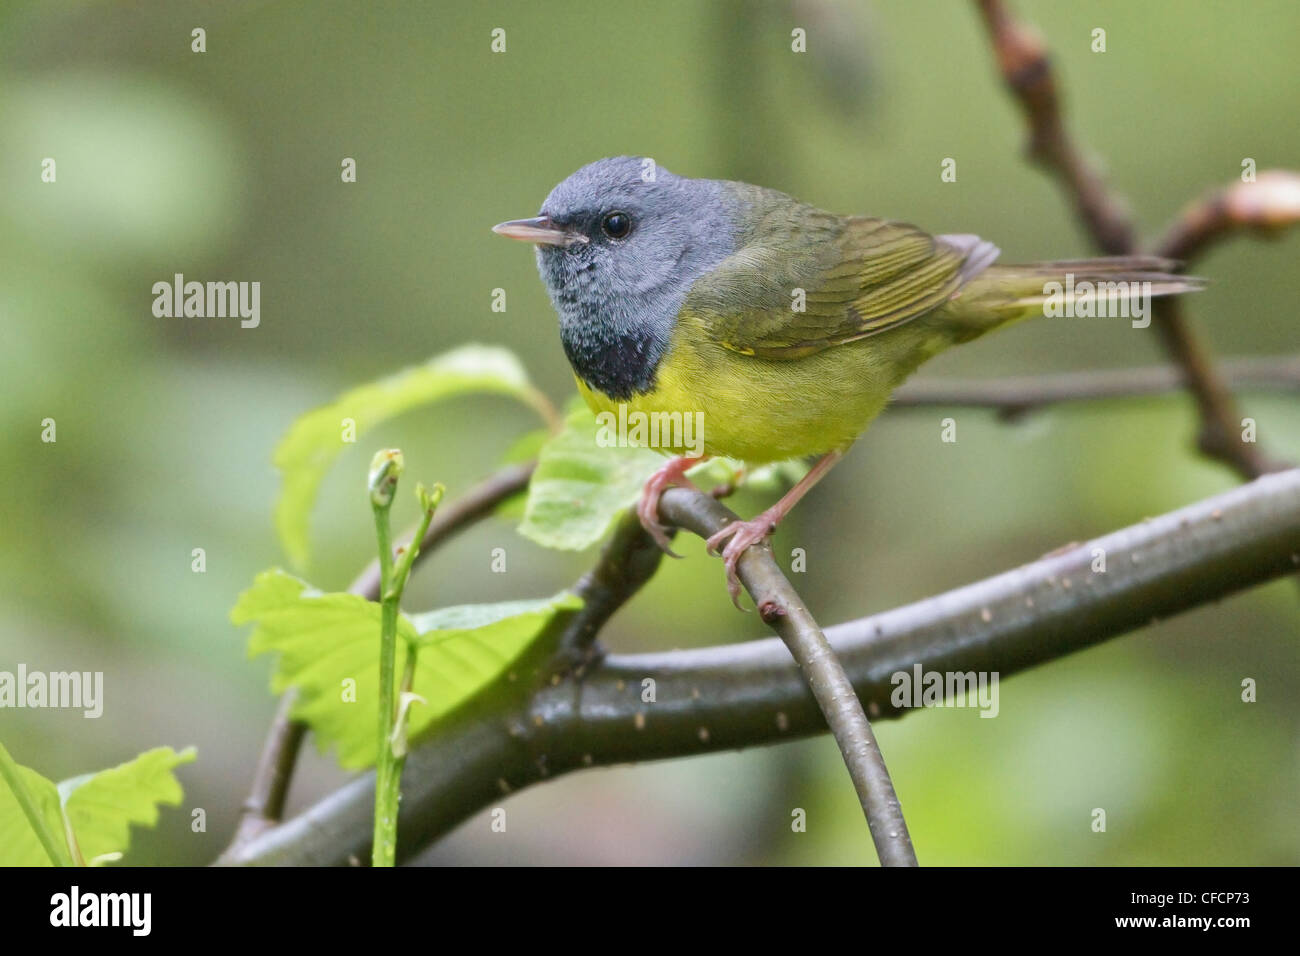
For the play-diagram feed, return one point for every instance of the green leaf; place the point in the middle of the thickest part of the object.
(31, 823)
(464, 649)
(323, 640)
(326, 639)
(101, 806)
(316, 439)
(452, 624)
(580, 487)
(98, 808)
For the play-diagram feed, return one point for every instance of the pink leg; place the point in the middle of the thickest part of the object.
(647, 509)
(745, 533)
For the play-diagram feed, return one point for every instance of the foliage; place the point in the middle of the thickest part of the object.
(328, 649)
(86, 819)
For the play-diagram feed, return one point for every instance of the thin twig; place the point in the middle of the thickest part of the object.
(1018, 395)
(265, 804)
(1026, 68)
(1221, 431)
(782, 609)
(749, 693)
(1267, 205)
(1023, 61)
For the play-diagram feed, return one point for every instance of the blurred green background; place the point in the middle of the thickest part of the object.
(226, 165)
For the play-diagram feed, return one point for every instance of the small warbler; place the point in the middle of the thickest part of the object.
(785, 326)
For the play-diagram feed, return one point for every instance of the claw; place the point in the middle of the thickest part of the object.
(647, 508)
(739, 535)
(659, 534)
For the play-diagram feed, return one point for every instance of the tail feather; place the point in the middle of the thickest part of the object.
(998, 295)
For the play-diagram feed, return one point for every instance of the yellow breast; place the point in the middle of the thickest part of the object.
(760, 410)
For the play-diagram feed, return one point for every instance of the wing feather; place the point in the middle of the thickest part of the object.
(859, 277)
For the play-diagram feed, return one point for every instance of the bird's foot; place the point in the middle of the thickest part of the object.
(738, 536)
(647, 508)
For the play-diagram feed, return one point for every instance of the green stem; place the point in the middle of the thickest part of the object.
(393, 576)
(384, 852)
(9, 771)
(395, 750)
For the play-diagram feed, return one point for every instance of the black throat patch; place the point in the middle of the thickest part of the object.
(619, 365)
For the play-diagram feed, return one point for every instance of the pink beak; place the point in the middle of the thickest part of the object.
(539, 229)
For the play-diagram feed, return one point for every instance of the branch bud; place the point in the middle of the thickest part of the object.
(385, 468)
(429, 500)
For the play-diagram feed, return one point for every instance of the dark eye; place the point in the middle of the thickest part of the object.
(616, 225)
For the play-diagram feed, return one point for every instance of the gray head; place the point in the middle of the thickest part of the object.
(619, 244)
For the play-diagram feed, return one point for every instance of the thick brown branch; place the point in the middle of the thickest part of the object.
(749, 693)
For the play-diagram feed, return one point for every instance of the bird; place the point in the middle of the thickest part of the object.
(784, 327)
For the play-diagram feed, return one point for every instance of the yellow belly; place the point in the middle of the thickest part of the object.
(761, 410)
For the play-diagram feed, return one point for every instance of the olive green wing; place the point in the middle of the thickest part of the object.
(831, 280)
